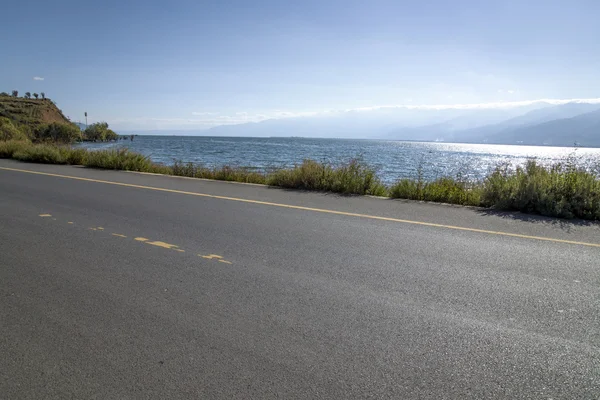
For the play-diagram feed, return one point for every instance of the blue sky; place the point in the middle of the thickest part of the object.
(194, 64)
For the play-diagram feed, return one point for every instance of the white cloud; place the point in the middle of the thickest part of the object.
(203, 113)
(510, 91)
(38, 78)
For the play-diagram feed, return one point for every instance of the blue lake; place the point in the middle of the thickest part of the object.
(391, 159)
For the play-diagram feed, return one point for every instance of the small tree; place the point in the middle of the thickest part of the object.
(27, 95)
(99, 132)
(36, 95)
(43, 95)
(15, 93)
(3, 94)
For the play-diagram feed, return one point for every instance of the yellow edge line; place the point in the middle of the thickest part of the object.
(320, 210)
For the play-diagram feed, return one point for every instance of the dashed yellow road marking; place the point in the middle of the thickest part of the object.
(141, 239)
(225, 261)
(119, 235)
(45, 215)
(92, 229)
(318, 210)
(100, 228)
(163, 244)
(70, 223)
(210, 256)
(180, 250)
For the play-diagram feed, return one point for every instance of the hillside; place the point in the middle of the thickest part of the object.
(30, 112)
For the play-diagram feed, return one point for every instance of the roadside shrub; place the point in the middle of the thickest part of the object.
(562, 190)
(121, 159)
(8, 148)
(225, 173)
(442, 190)
(58, 133)
(8, 131)
(39, 153)
(73, 156)
(353, 177)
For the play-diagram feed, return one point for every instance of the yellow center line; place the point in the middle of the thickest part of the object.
(163, 244)
(45, 215)
(119, 235)
(319, 210)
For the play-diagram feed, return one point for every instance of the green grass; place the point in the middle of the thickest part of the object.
(8, 148)
(8, 131)
(120, 159)
(224, 173)
(45, 154)
(442, 190)
(354, 177)
(562, 190)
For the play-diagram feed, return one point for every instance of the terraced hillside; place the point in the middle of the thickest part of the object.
(31, 112)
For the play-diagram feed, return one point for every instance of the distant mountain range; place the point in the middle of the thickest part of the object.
(534, 124)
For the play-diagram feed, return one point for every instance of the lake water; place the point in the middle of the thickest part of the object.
(392, 159)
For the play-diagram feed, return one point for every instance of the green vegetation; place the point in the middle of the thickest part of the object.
(9, 148)
(8, 131)
(40, 121)
(225, 173)
(99, 132)
(30, 112)
(352, 178)
(442, 190)
(122, 159)
(58, 133)
(562, 190)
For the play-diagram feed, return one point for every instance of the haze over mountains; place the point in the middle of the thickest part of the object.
(536, 123)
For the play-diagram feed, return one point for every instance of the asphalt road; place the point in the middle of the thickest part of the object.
(118, 285)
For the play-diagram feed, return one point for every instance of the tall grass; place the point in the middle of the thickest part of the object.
(354, 177)
(8, 148)
(119, 159)
(224, 173)
(442, 190)
(561, 190)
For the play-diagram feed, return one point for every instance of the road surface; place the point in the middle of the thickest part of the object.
(123, 285)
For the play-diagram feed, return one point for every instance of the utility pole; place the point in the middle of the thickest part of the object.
(86, 120)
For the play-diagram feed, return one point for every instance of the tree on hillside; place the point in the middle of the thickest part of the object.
(36, 95)
(3, 94)
(27, 95)
(15, 93)
(43, 95)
